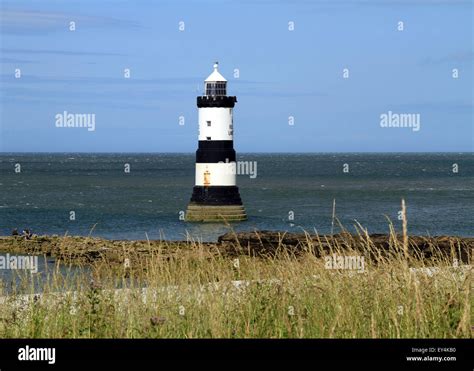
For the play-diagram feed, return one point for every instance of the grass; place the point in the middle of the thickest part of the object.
(195, 293)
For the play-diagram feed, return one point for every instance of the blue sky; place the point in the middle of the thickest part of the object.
(282, 73)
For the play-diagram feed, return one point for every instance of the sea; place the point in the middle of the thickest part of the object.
(135, 196)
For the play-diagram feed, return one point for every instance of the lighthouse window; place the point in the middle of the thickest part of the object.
(216, 88)
(208, 123)
(208, 138)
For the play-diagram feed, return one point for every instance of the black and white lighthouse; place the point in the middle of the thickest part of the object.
(215, 195)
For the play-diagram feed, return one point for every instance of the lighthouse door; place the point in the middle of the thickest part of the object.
(207, 178)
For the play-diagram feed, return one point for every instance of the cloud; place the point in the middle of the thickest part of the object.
(27, 22)
(436, 106)
(279, 94)
(82, 80)
(460, 57)
(360, 2)
(59, 52)
(6, 60)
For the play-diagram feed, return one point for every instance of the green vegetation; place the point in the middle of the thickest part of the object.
(198, 292)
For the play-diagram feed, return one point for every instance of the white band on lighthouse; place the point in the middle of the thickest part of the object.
(215, 124)
(221, 174)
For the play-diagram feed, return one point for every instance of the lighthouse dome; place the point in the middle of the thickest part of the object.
(215, 84)
(215, 76)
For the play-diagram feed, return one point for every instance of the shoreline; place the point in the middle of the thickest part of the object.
(89, 250)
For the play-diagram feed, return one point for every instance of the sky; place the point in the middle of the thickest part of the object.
(290, 56)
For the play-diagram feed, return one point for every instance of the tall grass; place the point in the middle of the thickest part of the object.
(196, 292)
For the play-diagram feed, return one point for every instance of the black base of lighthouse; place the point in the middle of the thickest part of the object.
(216, 195)
(215, 204)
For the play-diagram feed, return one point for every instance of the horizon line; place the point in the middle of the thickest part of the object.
(250, 152)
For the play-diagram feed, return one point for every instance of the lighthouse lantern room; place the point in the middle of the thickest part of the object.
(215, 194)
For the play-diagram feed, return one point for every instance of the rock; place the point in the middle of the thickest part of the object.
(157, 321)
(268, 243)
(258, 243)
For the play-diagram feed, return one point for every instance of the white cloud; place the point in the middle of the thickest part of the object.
(16, 21)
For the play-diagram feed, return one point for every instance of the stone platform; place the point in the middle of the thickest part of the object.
(215, 213)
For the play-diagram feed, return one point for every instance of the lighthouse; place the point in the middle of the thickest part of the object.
(215, 194)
